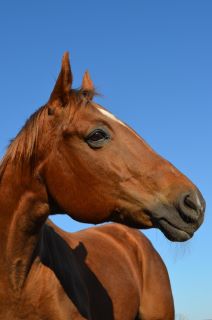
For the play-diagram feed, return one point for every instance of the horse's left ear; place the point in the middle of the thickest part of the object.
(87, 87)
(63, 84)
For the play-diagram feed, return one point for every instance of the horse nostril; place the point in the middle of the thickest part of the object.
(192, 201)
(192, 206)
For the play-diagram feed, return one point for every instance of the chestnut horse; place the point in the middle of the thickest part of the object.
(75, 157)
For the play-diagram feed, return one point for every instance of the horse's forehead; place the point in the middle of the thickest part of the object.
(108, 115)
(94, 110)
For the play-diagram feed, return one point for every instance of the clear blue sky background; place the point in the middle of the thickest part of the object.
(152, 60)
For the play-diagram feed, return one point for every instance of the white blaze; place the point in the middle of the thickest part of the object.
(111, 116)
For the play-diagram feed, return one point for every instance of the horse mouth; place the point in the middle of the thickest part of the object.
(173, 224)
(166, 218)
(172, 232)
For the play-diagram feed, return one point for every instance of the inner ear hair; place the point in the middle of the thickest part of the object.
(87, 94)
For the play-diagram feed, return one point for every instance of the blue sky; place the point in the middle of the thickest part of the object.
(152, 61)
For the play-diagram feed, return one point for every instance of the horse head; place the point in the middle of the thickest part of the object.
(96, 168)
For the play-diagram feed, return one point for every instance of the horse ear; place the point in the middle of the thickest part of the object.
(87, 83)
(64, 81)
(87, 87)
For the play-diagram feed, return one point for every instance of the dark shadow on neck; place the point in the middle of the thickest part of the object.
(79, 283)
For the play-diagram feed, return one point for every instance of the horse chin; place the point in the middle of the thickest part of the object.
(172, 233)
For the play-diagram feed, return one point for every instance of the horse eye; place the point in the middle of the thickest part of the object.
(97, 135)
(97, 138)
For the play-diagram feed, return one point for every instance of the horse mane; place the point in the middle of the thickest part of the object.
(22, 149)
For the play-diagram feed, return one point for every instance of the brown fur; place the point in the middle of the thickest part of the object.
(23, 149)
(111, 272)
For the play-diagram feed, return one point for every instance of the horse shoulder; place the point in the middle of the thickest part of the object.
(149, 271)
(156, 300)
(55, 285)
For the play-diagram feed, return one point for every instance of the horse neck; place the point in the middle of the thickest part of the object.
(23, 210)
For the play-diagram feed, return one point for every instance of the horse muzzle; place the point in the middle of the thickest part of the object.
(179, 222)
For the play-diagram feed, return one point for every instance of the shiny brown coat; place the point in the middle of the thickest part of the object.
(73, 156)
(109, 272)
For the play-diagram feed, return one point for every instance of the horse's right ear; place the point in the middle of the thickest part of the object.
(63, 84)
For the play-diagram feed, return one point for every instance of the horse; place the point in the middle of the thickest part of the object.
(75, 157)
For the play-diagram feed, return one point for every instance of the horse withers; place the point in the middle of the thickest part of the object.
(75, 157)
